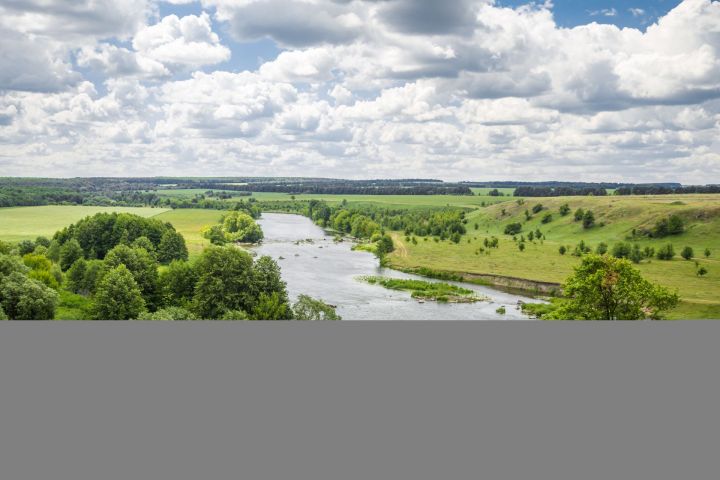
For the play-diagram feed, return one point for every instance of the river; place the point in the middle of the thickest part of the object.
(328, 270)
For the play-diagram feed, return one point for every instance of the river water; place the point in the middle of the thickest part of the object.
(328, 270)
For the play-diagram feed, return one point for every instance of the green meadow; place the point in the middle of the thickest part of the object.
(541, 260)
(27, 223)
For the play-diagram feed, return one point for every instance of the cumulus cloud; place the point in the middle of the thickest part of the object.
(188, 41)
(361, 88)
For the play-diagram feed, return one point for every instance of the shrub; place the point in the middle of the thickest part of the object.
(687, 253)
(621, 250)
(537, 208)
(547, 218)
(579, 213)
(602, 248)
(564, 210)
(666, 253)
(513, 228)
(562, 250)
(588, 219)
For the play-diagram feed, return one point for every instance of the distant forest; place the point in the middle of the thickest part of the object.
(143, 191)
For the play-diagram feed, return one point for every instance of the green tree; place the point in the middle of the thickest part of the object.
(588, 219)
(513, 228)
(579, 214)
(25, 247)
(521, 246)
(608, 288)
(621, 250)
(707, 253)
(602, 248)
(308, 308)
(385, 245)
(42, 241)
(143, 268)
(75, 276)
(271, 307)
(172, 247)
(666, 253)
(224, 282)
(701, 271)
(177, 283)
(687, 253)
(562, 250)
(235, 315)
(144, 242)
(23, 298)
(267, 279)
(69, 253)
(3, 316)
(169, 313)
(537, 208)
(564, 209)
(10, 264)
(547, 218)
(636, 255)
(118, 296)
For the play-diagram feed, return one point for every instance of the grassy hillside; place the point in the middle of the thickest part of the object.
(21, 223)
(189, 221)
(542, 262)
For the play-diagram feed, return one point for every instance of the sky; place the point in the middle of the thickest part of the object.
(596, 90)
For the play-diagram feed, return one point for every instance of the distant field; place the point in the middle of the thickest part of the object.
(542, 262)
(401, 201)
(191, 192)
(21, 223)
(189, 221)
(508, 192)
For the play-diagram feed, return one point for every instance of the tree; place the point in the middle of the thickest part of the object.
(3, 316)
(687, 253)
(23, 298)
(666, 253)
(271, 307)
(267, 278)
(547, 218)
(385, 245)
(701, 271)
(224, 282)
(537, 208)
(579, 214)
(70, 252)
(43, 241)
(562, 250)
(177, 283)
(169, 313)
(235, 315)
(172, 247)
(636, 255)
(707, 253)
(76, 275)
(588, 219)
(144, 242)
(602, 248)
(608, 288)
(621, 250)
(672, 225)
(308, 308)
(10, 264)
(143, 268)
(521, 246)
(564, 209)
(25, 247)
(118, 296)
(513, 228)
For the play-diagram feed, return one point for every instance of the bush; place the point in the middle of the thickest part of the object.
(579, 213)
(547, 218)
(588, 219)
(513, 228)
(672, 225)
(701, 272)
(169, 313)
(562, 250)
(564, 210)
(26, 299)
(666, 253)
(308, 308)
(621, 250)
(602, 248)
(687, 253)
(118, 296)
(537, 208)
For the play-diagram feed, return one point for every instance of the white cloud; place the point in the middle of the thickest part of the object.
(187, 42)
(361, 89)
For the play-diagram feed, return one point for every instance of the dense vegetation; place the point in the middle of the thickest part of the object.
(109, 267)
(529, 191)
(235, 226)
(423, 290)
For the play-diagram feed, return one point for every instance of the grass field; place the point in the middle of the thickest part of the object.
(27, 223)
(542, 262)
(189, 221)
(400, 201)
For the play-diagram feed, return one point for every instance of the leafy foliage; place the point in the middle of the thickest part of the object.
(308, 308)
(118, 296)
